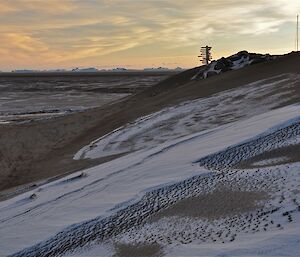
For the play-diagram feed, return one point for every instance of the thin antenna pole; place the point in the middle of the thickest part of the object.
(297, 40)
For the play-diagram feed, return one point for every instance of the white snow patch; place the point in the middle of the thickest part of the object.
(25, 221)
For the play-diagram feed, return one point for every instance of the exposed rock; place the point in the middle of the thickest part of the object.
(233, 62)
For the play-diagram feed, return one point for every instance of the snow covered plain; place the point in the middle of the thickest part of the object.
(129, 200)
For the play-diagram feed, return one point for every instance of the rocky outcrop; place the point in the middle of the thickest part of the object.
(233, 62)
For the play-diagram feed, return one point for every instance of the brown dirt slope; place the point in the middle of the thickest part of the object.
(43, 149)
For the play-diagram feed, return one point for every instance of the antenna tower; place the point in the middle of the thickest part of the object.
(205, 55)
(297, 35)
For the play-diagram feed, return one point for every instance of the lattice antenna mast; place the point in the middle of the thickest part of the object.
(205, 55)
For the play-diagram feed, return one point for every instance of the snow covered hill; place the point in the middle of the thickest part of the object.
(214, 176)
(131, 201)
(194, 116)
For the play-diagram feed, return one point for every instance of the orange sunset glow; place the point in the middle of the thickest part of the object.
(37, 34)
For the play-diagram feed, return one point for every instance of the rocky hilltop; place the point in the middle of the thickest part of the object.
(233, 62)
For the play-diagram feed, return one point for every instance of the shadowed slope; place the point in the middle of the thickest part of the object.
(45, 149)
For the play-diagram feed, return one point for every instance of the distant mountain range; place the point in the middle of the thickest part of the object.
(93, 69)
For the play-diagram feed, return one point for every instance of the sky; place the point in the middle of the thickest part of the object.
(50, 34)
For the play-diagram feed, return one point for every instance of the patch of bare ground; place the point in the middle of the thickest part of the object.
(222, 202)
(138, 250)
(283, 155)
(45, 176)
